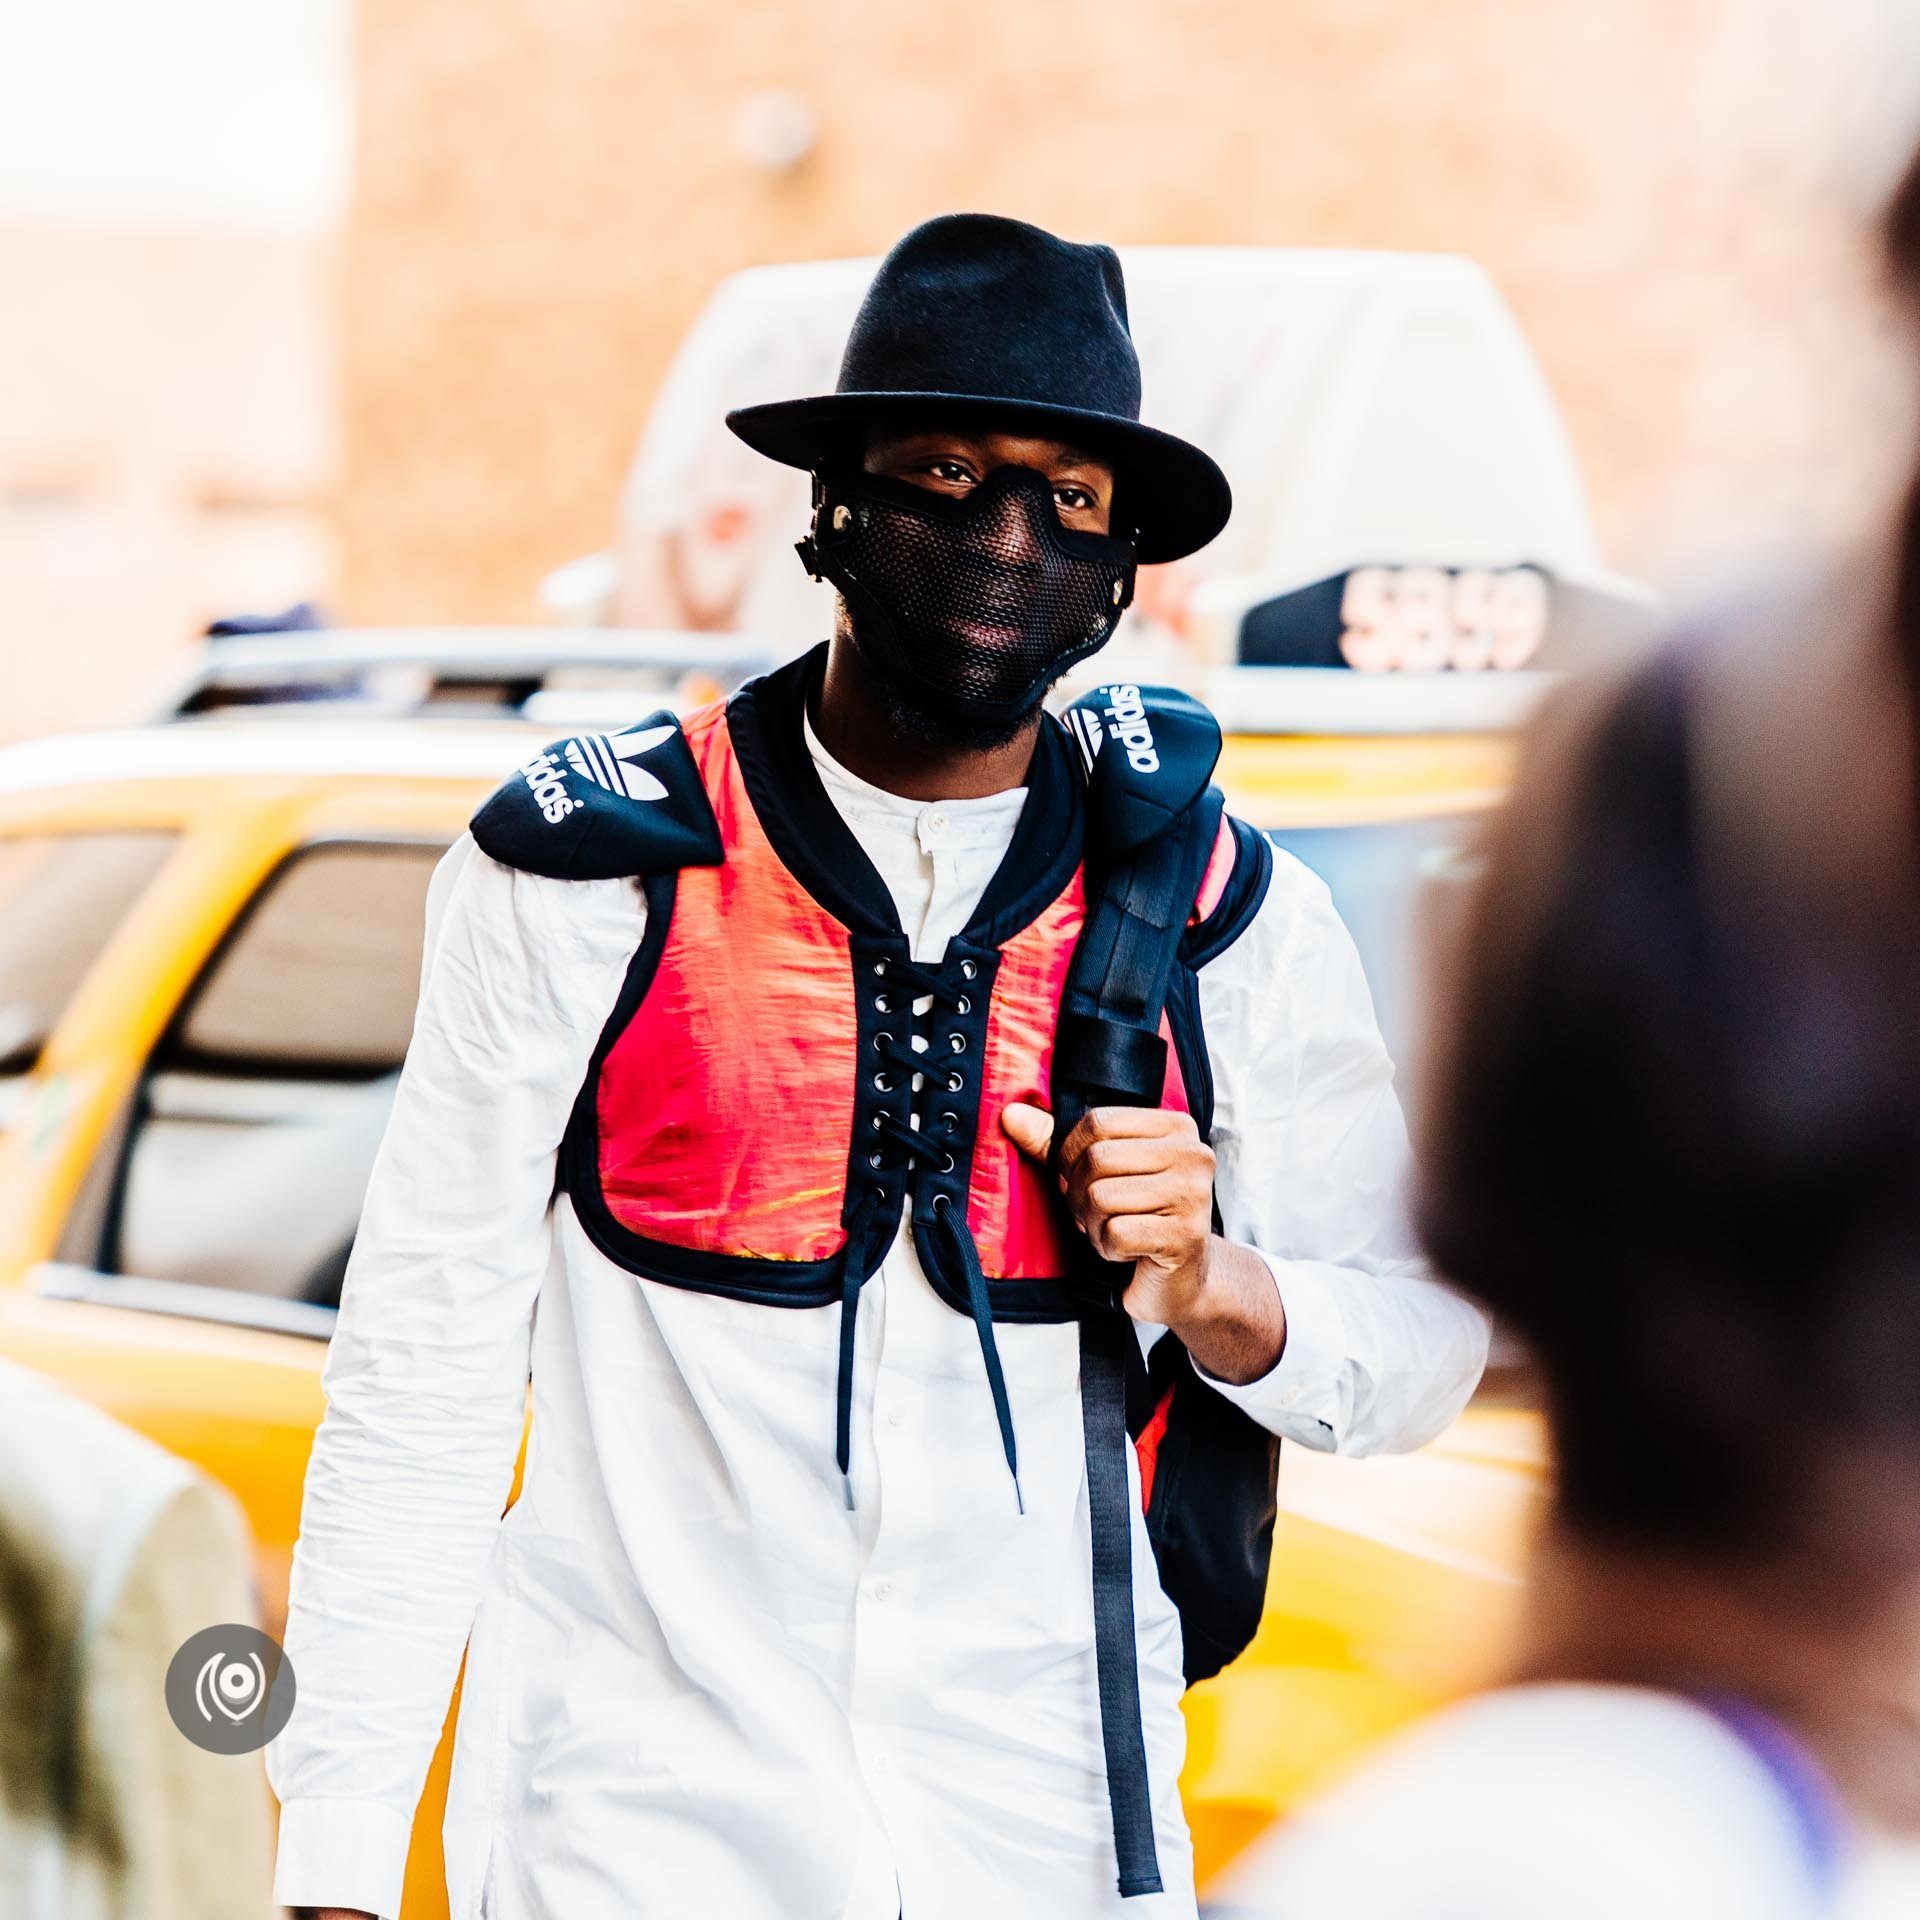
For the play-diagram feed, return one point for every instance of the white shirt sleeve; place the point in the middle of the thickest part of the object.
(427, 1376)
(1311, 1166)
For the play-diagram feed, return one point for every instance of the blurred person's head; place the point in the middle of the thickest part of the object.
(983, 487)
(1673, 1134)
(1901, 239)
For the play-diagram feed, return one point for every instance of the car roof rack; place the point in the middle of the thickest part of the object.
(557, 674)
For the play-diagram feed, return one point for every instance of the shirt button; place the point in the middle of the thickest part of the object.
(937, 824)
(884, 1589)
(896, 1416)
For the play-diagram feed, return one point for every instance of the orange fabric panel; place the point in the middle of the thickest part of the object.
(725, 1108)
(1015, 1218)
(1012, 1208)
(1213, 882)
(1148, 1447)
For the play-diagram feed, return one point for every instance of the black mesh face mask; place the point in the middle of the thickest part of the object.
(974, 605)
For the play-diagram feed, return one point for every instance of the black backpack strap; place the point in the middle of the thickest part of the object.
(1103, 1415)
(1108, 1049)
(1152, 820)
(604, 806)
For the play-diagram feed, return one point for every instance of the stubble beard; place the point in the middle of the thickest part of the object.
(915, 718)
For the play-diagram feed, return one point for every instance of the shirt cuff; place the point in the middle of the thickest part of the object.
(1292, 1395)
(342, 1853)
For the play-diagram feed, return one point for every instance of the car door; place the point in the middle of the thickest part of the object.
(199, 1262)
(199, 1267)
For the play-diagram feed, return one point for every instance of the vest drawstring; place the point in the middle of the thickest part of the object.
(950, 987)
(962, 1239)
(853, 1274)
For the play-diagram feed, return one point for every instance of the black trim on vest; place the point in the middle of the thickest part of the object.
(1232, 914)
(1047, 844)
(779, 1283)
(1190, 1045)
(879, 1092)
(819, 849)
(950, 1112)
(1245, 890)
(814, 843)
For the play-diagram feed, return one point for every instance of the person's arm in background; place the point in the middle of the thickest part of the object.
(1312, 1310)
(427, 1377)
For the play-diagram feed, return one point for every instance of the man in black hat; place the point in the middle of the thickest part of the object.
(807, 1609)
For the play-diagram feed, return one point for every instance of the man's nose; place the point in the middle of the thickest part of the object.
(1012, 530)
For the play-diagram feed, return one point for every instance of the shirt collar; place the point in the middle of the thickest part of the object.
(986, 817)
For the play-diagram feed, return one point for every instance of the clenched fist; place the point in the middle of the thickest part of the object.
(1139, 1184)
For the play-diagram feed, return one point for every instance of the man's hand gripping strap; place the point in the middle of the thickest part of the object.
(604, 806)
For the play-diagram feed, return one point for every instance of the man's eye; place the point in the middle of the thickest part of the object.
(1074, 499)
(949, 470)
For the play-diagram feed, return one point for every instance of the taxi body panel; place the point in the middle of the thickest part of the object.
(1394, 1579)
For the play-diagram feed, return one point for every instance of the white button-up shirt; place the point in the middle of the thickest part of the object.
(697, 1683)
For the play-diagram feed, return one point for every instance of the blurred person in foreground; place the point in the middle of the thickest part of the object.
(1673, 1142)
(113, 1552)
(801, 1612)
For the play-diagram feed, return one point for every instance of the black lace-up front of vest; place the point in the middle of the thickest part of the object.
(925, 1134)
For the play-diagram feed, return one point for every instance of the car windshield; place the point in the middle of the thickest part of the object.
(1376, 873)
(61, 897)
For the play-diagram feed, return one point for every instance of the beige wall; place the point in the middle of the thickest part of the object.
(1671, 193)
(167, 453)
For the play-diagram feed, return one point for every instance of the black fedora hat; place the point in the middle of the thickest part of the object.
(973, 317)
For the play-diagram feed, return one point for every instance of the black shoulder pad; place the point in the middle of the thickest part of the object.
(603, 806)
(1150, 752)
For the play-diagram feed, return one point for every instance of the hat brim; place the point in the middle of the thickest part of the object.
(1175, 494)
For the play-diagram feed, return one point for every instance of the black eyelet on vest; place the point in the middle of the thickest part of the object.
(942, 1200)
(958, 1041)
(883, 1081)
(873, 1159)
(880, 966)
(882, 1003)
(882, 1040)
(950, 1121)
(879, 1120)
(946, 1164)
(956, 1080)
(969, 969)
(965, 1006)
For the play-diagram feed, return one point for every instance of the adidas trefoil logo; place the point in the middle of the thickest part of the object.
(604, 759)
(1125, 720)
(607, 760)
(1087, 732)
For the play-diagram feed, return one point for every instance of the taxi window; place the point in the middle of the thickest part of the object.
(254, 1132)
(321, 974)
(61, 897)
(1377, 874)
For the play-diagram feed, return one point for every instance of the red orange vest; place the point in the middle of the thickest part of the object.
(743, 1097)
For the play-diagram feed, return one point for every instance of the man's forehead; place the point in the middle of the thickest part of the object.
(1003, 448)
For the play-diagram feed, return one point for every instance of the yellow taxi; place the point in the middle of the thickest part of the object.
(209, 951)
